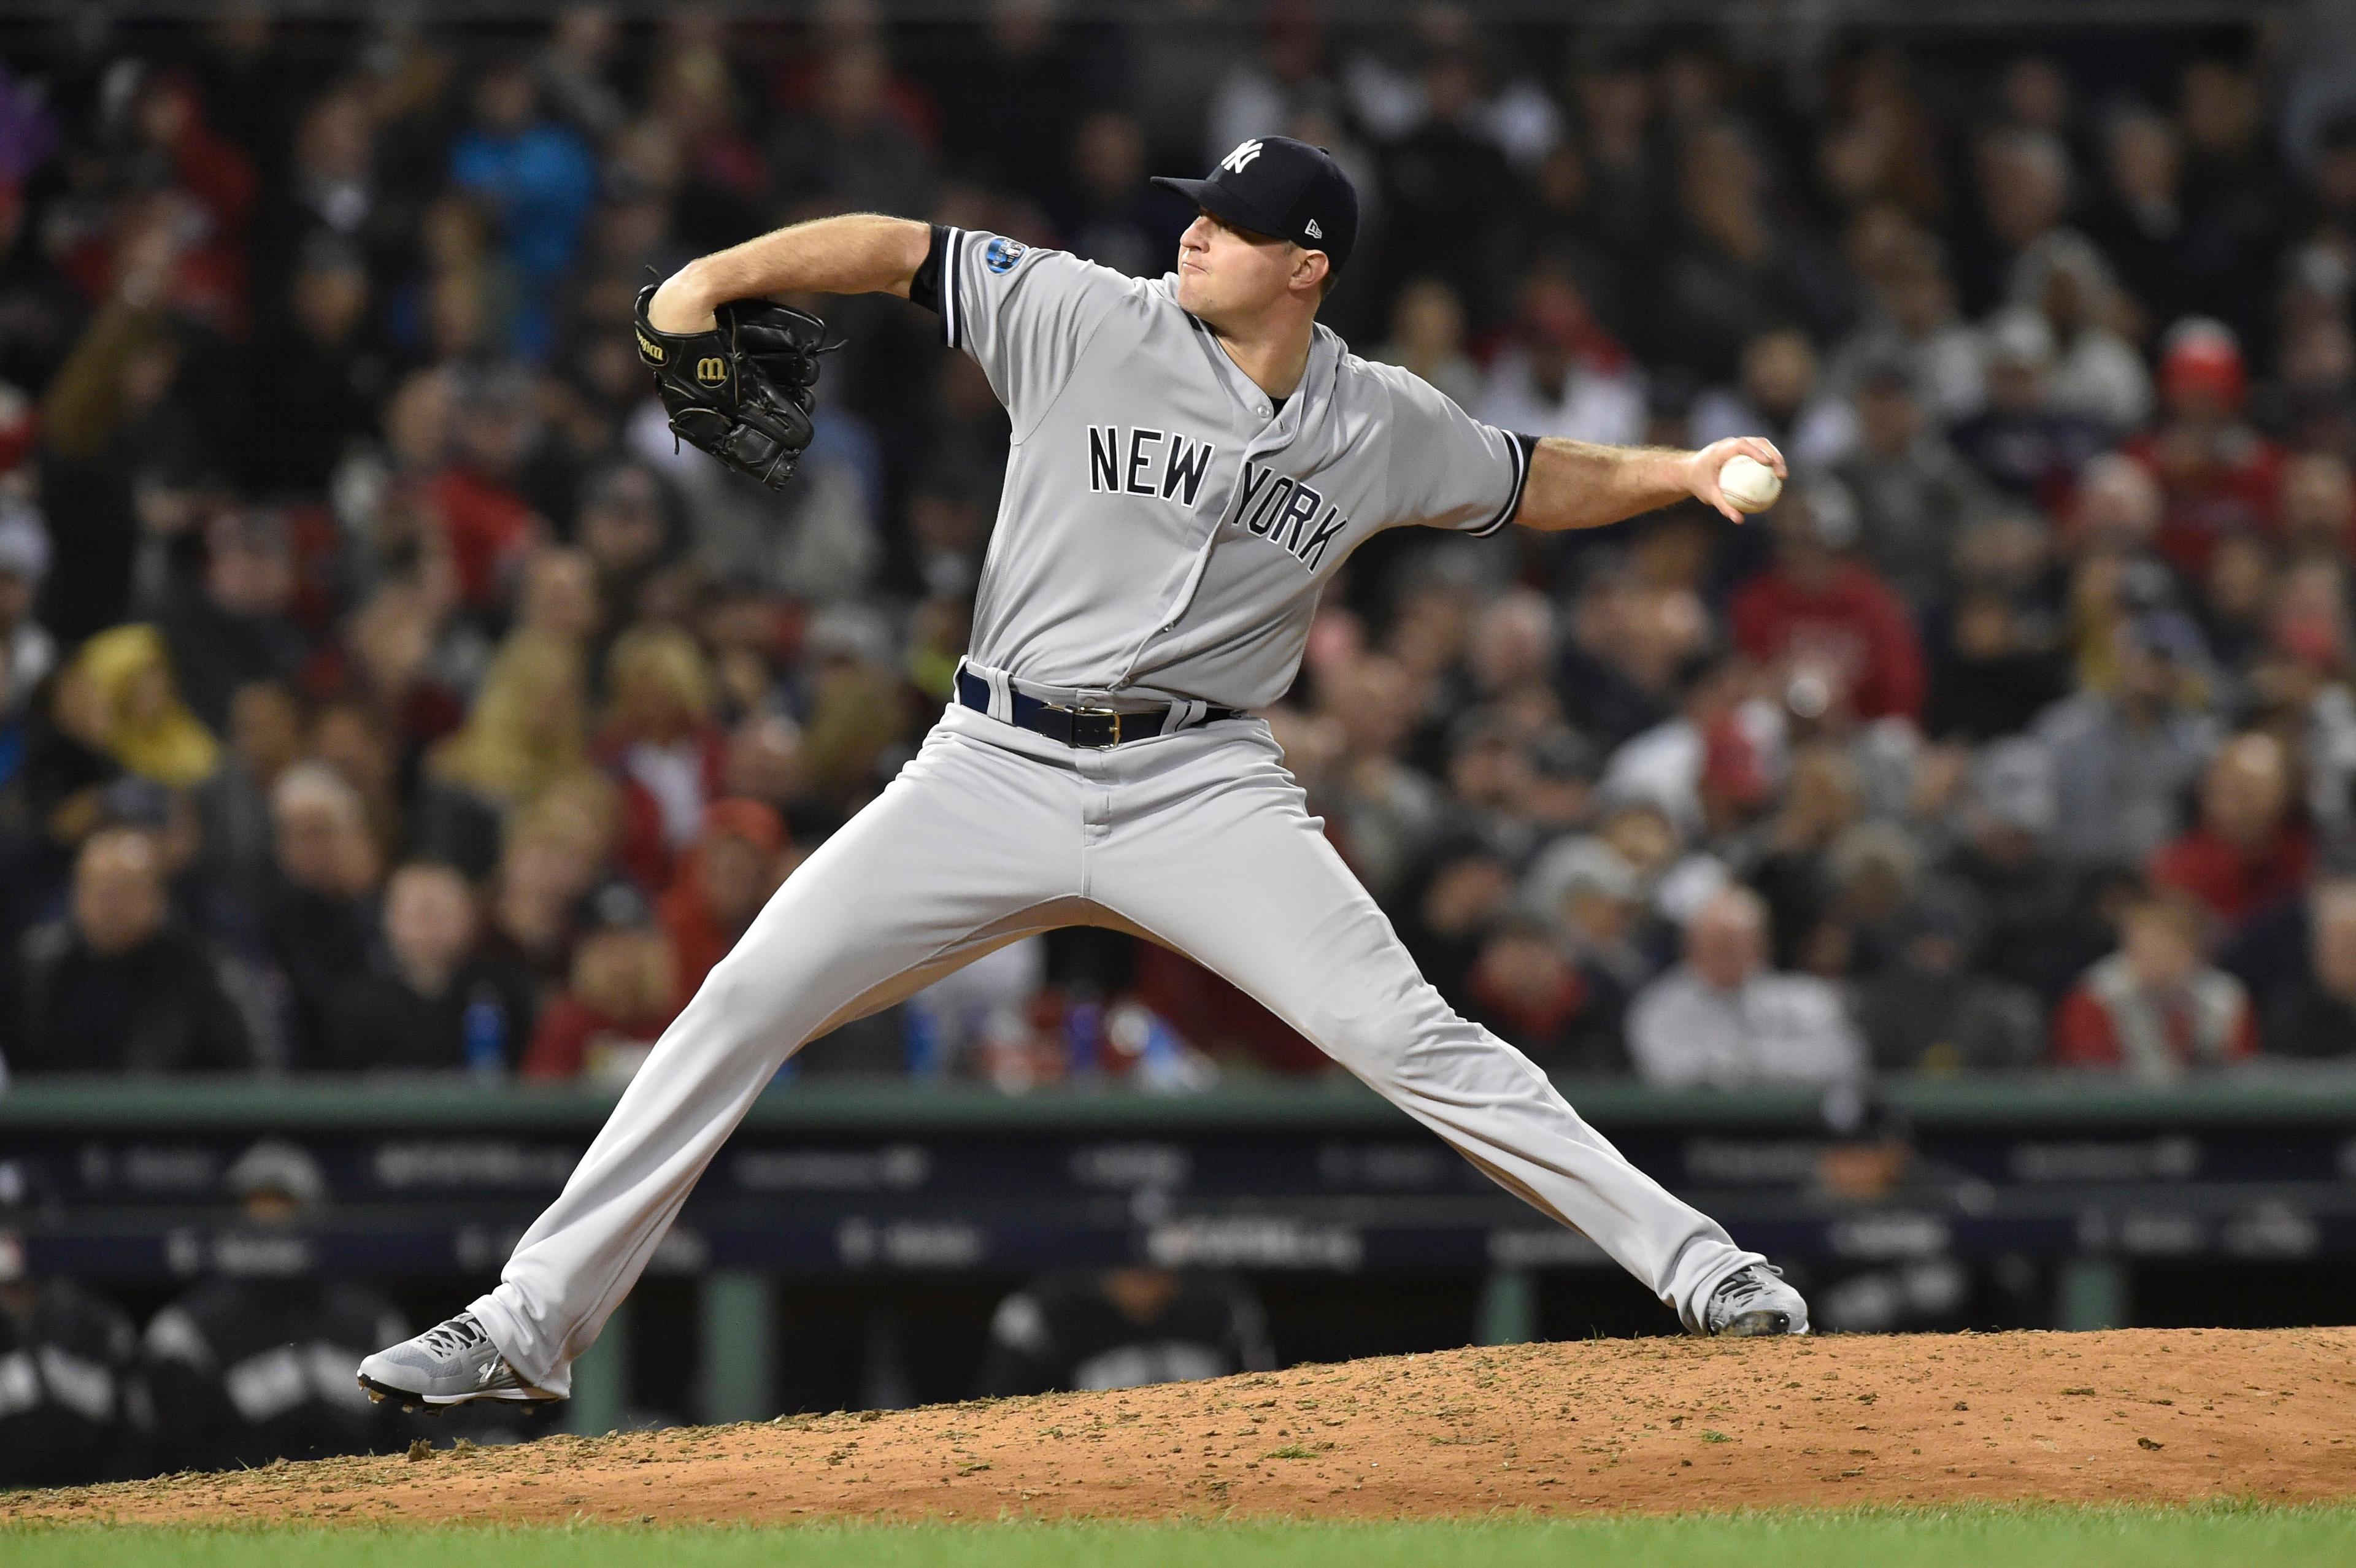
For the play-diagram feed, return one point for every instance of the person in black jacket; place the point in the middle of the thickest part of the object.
(318, 918)
(431, 1000)
(1932, 1011)
(2040, 919)
(2313, 1017)
(255, 1363)
(318, 376)
(229, 623)
(73, 1408)
(1124, 1328)
(115, 985)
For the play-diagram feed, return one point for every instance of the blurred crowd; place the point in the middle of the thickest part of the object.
(382, 688)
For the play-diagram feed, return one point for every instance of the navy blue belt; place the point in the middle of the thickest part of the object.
(1097, 729)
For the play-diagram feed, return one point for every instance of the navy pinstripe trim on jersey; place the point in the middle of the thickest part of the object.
(1521, 447)
(952, 274)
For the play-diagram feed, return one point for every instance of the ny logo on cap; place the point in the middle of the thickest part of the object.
(1234, 161)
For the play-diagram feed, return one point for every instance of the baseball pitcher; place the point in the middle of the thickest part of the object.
(1194, 457)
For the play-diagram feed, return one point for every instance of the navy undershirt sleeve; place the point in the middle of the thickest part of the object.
(1529, 445)
(924, 288)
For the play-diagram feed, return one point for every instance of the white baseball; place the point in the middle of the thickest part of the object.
(1749, 485)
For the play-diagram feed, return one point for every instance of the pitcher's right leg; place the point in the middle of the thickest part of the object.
(970, 846)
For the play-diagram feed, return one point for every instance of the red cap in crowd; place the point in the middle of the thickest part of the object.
(2203, 361)
(747, 819)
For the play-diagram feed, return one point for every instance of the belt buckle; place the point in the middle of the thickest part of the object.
(1113, 715)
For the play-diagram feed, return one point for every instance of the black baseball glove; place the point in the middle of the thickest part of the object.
(742, 391)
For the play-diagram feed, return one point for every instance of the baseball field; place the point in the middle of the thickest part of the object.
(2144, 1446)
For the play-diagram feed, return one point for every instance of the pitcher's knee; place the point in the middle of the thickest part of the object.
(738, 1001)
(728, 987)
(1386, 1045)
(1373, 1053)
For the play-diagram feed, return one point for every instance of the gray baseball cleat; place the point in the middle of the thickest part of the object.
(451, 1363)
(1753, 1302)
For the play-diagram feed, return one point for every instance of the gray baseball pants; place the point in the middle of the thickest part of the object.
(1198, 839)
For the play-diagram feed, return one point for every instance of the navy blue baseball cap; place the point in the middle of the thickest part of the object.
(1283, 188)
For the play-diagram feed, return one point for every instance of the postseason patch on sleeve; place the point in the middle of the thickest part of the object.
(1000, 255)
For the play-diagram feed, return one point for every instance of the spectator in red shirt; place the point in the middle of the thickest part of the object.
(1819, 608)
(488, 525)
(662, 746)
(1525, 987)
(170, 117)
(2156, 1007)
(2247, 852)
(621, 999)
(167, 130)
(720, 885)
(2218, 473)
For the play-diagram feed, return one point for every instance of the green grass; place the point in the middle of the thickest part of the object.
(1970, 1537)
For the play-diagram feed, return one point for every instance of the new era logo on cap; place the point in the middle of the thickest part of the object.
(1282, 187)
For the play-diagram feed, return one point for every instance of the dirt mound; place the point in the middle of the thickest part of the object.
(1648, 1426)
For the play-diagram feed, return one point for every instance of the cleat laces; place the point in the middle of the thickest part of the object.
(458, 1336)
(1746, 1290)
(1745, 1285)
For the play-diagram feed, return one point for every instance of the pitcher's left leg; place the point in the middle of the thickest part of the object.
(1229, 869)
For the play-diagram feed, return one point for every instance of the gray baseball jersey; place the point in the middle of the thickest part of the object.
(1165, 530)
(1165, 533)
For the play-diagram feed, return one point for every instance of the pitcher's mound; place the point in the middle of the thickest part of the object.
(1651, 1425)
